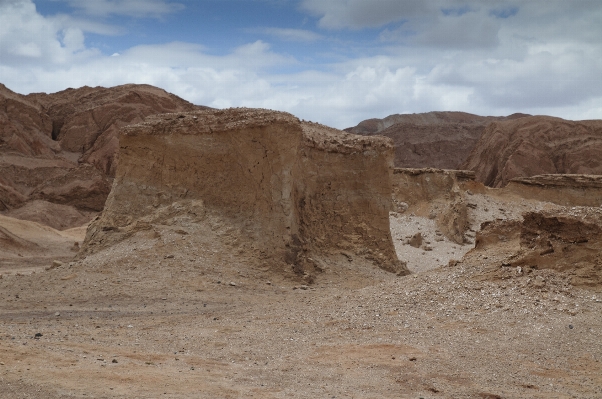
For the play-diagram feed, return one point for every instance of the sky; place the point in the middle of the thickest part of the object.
(336, 62)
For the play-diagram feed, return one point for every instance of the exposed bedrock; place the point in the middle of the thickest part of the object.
(536, 145)
(436, 193)
(296, 191)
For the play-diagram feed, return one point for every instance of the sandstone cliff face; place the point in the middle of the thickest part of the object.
(430, 140)
(293, 192)
(535, 146)
(61, 148)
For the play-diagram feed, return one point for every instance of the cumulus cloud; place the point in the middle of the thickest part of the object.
(356, 14)
(491, 58)
(130, 8)
(294, 35)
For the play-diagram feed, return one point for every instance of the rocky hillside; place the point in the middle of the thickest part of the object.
(536, 145)
(58, 151)
(430, 140)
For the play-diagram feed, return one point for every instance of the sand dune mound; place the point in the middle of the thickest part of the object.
(536, 145)
(288, 192)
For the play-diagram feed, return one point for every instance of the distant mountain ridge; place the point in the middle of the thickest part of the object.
(536, 145)
(433, 139)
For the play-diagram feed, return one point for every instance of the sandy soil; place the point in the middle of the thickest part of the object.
(177, 313)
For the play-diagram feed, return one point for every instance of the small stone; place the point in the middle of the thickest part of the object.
(416, 240)
(169, 256)
(413, 359)
(233, 284)
(304, 287)
(55, 264)
(571, 326)
(114, 361)
(37, 336)
(57, 314)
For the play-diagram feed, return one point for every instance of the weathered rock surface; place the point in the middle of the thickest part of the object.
(536, 145)
(61, 147)
(289, 191)
(567, 240)
(430, 140)
(437, 193)
(567, 190)
(86, 120)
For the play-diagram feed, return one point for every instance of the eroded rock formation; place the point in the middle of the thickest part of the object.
(61, 148)
(536, 145)
(568, 240)
(430, 140)
(567, 190)
(438, 193)
(296, 191)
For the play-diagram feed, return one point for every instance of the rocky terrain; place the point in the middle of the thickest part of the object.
(536, 145)
(497, 149)
(58, 151)
(243, 253)
(430, 140)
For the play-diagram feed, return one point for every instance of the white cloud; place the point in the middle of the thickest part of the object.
(355, 14)
(294, 35)
(131, 8)
(532, 59)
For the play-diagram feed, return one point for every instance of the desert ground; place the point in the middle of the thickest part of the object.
(150, 248)
(174, 312)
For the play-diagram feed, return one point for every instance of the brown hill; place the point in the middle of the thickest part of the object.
(61, 147)
(536, 145)
(430, 140)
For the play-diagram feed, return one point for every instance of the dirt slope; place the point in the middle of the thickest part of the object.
(536, 145)
(430, 140)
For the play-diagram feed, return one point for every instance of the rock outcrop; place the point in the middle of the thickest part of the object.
(86, 120)
(568, 241)
(438, 193)
(536, 145)
(567, 190)
(430, 140)
(61, 148)
(294, 192)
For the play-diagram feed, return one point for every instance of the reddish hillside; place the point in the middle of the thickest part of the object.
(430, 140)
(61, 147)
(536, 145)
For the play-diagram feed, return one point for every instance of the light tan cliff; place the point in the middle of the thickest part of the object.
(293, 192)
